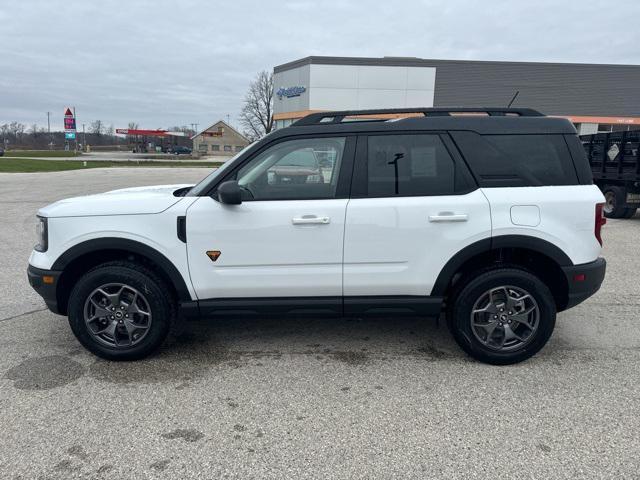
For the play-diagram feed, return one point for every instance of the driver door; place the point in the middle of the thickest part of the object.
(286, 237)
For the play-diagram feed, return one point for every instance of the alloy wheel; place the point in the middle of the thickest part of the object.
(505, 318)
(117, 315)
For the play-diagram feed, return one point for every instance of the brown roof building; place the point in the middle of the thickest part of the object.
(219, 139)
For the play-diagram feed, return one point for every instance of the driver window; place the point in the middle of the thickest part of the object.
(292, 170)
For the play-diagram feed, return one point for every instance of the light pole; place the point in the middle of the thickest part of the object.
(84, 138)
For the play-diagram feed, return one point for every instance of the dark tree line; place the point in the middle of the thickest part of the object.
(16, 135)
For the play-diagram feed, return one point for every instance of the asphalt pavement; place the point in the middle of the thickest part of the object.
(289, 398)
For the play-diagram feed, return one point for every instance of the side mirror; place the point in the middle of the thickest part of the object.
(230, 193)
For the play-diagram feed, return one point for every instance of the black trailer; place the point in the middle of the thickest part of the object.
(615, 162)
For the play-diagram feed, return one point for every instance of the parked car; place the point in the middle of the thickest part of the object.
(179, 150)
(1, 151)
(493, 220)
(299, 166)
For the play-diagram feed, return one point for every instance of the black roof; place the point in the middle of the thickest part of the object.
(495, 120)
(427, 62)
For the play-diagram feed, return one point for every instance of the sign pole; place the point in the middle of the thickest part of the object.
(74, 116)
(70, 132)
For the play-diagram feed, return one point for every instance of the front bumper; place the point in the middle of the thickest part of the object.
(584, 280)
(45, 282)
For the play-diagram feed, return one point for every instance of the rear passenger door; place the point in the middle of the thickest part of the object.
(413, 206)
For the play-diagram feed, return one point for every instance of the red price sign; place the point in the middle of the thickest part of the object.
(69, 123)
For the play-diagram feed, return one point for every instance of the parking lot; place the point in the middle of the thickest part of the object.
(385, 398)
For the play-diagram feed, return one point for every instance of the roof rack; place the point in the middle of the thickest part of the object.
(327, 118)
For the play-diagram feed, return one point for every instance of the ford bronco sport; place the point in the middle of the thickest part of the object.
(489, 215)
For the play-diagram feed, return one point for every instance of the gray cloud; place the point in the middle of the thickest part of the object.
(162, 63)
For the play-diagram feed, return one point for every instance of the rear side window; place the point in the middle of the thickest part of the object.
(409, 165)
(517, 160)
(580, 160)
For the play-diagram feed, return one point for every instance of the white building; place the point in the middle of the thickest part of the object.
(310, 87)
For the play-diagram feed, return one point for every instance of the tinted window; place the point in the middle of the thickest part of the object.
(408, 165)
(517, 160)
(291, 170)
(580, 161)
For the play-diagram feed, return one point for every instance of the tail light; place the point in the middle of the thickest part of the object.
(600, 221)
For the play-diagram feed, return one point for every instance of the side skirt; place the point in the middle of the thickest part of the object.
(361, 306)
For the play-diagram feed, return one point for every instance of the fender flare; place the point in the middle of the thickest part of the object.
(116, 243)
(486, 245)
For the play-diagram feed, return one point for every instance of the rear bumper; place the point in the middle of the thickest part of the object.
(37, 278)
(584, 280)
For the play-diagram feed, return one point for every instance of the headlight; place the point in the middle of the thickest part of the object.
(43, 235)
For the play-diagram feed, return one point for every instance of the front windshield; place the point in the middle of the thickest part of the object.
(203, 184)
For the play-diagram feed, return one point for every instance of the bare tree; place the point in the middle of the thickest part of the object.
(188, 131)
(16, 129)
(108, 131)
(131, 126)
(4, 130)
(257, 113)
(97, 127)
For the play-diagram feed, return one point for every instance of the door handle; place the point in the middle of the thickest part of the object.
(310, 220)
(448, 217)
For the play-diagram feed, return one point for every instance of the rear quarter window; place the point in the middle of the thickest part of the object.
(517, 160)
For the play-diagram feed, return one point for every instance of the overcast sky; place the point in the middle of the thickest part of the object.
(162, 63)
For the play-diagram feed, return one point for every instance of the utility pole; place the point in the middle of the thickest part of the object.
(49, 130)
(84, 139)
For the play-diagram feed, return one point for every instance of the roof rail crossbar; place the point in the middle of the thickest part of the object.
(333, 117)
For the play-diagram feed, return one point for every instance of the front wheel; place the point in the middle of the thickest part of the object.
(121, 311)
(502, 316)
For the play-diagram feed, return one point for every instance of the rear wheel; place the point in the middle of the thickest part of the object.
(502, 316)
(121, 311)
(615, 199)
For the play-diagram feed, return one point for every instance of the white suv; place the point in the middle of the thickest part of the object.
(487, 214)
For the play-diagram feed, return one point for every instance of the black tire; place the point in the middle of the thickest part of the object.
(616, 198)
(459, 314)
(630, 212)
(156, 294)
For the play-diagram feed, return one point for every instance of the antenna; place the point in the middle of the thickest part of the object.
(513, 99)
